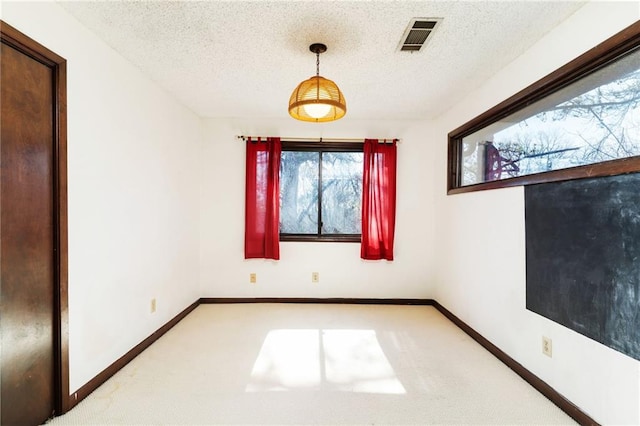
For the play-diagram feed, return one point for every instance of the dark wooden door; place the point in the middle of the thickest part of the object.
(27, 229)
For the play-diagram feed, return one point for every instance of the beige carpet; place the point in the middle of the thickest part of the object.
(283, 364)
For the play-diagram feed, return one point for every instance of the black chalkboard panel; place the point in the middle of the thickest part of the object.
(583, 257)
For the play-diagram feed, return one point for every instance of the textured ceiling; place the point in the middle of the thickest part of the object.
(244, 58)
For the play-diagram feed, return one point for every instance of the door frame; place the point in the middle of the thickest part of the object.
(25, 45)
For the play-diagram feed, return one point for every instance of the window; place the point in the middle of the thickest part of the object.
(321, 191)
(582, 120)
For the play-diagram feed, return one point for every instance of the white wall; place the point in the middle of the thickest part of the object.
(225, 273)
(481, 264)
(133, 158)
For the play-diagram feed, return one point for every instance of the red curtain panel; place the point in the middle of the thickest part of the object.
(262, 199)
(378, 200)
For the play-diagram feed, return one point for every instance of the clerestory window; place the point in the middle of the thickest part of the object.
(583, 120)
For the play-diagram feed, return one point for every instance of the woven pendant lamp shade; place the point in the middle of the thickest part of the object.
(317, 99)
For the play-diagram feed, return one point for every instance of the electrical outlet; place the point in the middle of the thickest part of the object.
(252, 278)
(547, 347)
(153, 305)
(315, 277)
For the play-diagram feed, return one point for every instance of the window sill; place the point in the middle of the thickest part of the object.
(606, 168)
(352, 238)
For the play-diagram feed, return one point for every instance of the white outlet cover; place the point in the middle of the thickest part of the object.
(547, 346)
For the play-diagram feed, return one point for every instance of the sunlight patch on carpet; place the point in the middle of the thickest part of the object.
(334, 360)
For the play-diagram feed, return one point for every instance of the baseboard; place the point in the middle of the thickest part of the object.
(564, 404)
(542, 387)
(332, 300)
(103, 376)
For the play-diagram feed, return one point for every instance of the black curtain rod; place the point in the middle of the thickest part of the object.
(290, 139)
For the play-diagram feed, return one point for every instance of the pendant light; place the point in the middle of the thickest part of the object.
(317, 99)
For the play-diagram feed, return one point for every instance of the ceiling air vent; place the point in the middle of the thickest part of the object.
(418, 32)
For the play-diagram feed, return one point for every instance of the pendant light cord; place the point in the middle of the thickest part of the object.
(317, 64)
